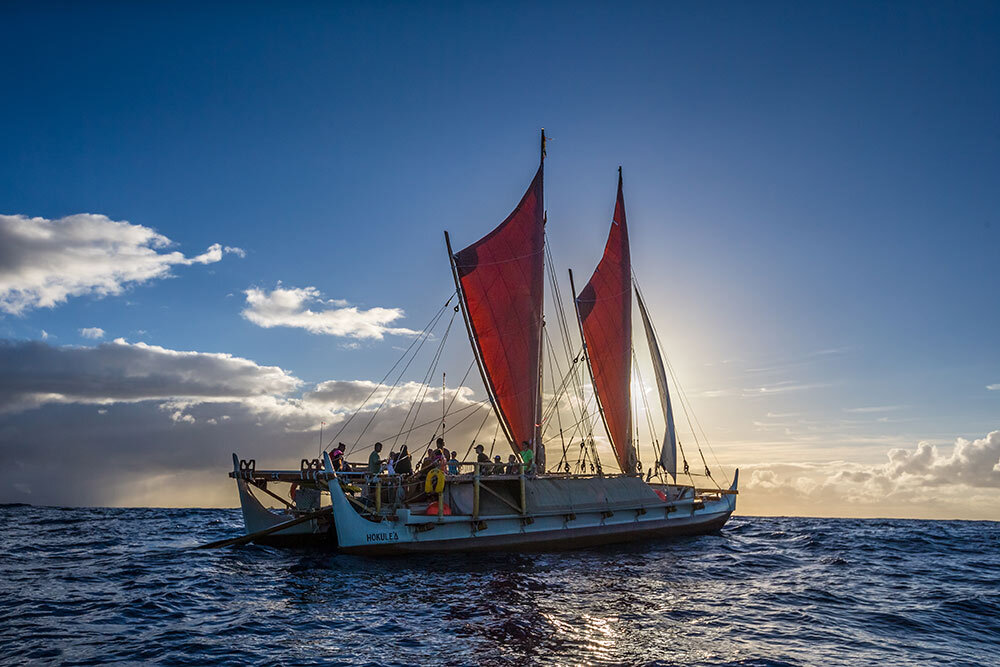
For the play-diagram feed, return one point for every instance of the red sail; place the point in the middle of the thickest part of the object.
(502, 278)
(605, 307)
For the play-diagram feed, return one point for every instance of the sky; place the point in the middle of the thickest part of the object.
(221, 224)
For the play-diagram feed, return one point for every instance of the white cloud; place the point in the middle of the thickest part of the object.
(993, 387)
(962, 480)
(784, 387)
(716, 393)
(94, 333)
(233, 250)
(875, 409)
(45, 334)
(292, 307)
(975, 463)
(44, 262)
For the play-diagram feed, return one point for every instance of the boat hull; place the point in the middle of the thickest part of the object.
(559, 539)
(628, 511)
(257, 518)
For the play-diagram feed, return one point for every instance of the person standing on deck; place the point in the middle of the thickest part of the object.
(453, 463)
(374, 468)
(404, 464)
(375, 460)
(483, 460)
(337, 457)
(528, 457)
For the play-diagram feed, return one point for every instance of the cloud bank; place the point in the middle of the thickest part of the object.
(44, 262)
(962, 481)
(294, 307)
(129, 424)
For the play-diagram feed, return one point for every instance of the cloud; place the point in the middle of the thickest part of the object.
(779, 388)
(166, 421)
(44, 262)
(993, 387)
(962, 480)
(290, 307)
(233, 250)
(716, 393)
(94, 333)
(36, 373)
(975, 463)
(875, 408)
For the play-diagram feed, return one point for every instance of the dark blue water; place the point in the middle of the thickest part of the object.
(85, 586)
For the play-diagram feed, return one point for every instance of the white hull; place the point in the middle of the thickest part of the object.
(563, 528)
(257, 518)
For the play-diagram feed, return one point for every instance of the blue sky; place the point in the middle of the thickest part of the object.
(812, 189)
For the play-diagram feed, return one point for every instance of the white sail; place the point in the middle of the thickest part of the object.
(668, 454)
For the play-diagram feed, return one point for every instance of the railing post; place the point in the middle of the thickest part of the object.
(524, 502)
(475, 492)
(441, 503)
(378, 494)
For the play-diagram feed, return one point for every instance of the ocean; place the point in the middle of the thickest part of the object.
(95, 586)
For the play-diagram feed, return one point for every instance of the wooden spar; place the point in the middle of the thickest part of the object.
(590, 369)
(718, 492)
(236, 541)
(273, 495)
(509, 504)
(504, 426)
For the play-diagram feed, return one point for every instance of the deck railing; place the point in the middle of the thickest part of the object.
(408, 487)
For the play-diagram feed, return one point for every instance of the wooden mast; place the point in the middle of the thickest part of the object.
(539, 448)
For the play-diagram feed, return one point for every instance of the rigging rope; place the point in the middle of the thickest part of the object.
(396, 383)
(655, 443)
(418, 400)
(685, 404)
(424, 332)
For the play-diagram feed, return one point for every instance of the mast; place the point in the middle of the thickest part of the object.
(536, 441)
(504, 426)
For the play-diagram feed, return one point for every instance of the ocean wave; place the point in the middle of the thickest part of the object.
(87, 586)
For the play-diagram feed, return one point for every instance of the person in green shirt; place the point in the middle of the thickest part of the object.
(528, 457)
(375, 460)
